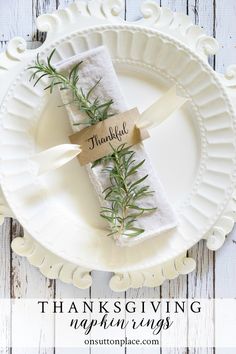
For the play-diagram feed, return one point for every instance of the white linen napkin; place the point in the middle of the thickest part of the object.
(97, 65)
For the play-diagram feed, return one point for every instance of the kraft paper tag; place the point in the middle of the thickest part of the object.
(96, 140)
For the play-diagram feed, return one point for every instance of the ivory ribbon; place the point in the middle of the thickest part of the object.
(58, 156)
(54, 158)
(161, 109)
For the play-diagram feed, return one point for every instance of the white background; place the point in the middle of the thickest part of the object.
(215, 275)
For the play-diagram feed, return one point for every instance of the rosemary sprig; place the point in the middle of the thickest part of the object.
(124, 192)
(95, 110)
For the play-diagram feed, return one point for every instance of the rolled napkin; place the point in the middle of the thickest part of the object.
(97, 65)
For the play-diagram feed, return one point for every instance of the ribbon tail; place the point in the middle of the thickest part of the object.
(161, 109)
(54, 158)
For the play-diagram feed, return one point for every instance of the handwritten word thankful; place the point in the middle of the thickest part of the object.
(114, 134)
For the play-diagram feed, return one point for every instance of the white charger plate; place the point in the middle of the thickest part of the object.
(193, 151)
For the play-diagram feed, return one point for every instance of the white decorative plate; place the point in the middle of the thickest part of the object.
(193, 151)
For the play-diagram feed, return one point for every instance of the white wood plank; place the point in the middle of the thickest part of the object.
(28, 282)
(67, 291)
(225, 276)
(203, 14)
(175, 5)
(143, 293)
(201, 282)
(40, 7)
(16, 19)
(63, 3)
(225, 33)
(133, 7)
(132, 10)
(225, 268)
(5, 290)
(175, 288)
(225, 265)
(64, 291)
(100, 289)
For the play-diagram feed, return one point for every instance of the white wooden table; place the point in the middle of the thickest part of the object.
(215, 275)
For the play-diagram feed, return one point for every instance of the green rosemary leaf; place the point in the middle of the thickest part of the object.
(33, 76)
(112, 233)
(34, 67)
(108, 218)
(139, 181)
(142, 195)
(96, 163)
(134, 215)
(130, 160)
(134, 232)
(109, 193)
(135, 207)
(40, 78)
(49, 59)
(134, 169)
(81, 123)
(93, 88)
(74, 72)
